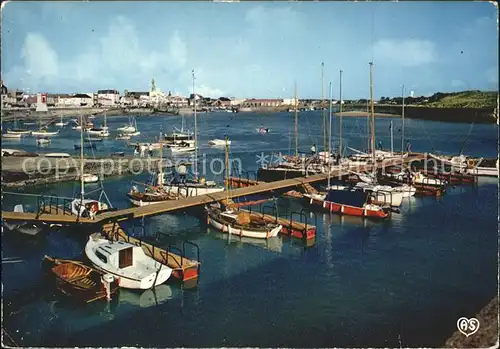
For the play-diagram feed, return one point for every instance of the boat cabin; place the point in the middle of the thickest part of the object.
(355, 198)
(117, 254)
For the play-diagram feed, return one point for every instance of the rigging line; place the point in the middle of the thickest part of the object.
(466, 139)
(426, 136)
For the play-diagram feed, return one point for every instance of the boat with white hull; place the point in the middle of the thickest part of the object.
(127, 262)
(218, 142)
(228, 222)
(44, 133)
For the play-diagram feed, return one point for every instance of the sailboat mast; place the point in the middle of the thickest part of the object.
(330, 137)
(340, 130)
(226, 164)
(296, 123)
(323, 104)
(403, 122)
(373, 113)
(195, 134)
(392, 140)
(82, 184)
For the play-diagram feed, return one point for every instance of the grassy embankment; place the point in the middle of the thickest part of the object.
(464, 99)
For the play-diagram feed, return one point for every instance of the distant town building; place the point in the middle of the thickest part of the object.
(256, 103)
(289, 101)
(41, 102)
(108, 97)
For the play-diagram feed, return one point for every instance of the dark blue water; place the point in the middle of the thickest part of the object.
(401, 281)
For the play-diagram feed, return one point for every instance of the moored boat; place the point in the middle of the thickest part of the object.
(11, 135)
(127, 262)
(348, 202)
(241, 223)
(90, 178)
(44, 133)
(43, 140)
(219, 142)
(81, 281)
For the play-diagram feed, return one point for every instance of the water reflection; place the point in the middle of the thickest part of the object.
(148, 298)
(273, 244)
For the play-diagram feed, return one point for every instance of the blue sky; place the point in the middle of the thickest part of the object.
(254, 49)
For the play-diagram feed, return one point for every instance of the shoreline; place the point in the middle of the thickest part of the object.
(487, 334)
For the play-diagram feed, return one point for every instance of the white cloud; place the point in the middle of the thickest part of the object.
(120, 51)
(207, 91)
(408, 52)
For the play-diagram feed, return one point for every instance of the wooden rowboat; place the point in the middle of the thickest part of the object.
(80, 281)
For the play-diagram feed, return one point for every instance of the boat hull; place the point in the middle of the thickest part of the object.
(346, 209)
(242, 232)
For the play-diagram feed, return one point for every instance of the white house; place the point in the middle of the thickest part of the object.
(289, 101)
(108, 97)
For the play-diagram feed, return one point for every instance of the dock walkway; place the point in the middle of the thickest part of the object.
(277, 188)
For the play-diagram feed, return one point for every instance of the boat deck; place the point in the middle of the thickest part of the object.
(183, 268)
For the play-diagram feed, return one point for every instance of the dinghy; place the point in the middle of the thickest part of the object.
(42, 140)
(218, 142)
(90, 178)
(75, 279)
(262, 130)
(26, 228)
(241, 223)
(126, 262)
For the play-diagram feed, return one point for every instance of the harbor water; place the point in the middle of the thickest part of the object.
(403, 281)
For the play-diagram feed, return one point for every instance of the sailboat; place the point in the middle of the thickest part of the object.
(80, 206)
(61, 123)
(292, 166)
(177, 187)
(344, 200)
(239, 223)
(100, 131)
(127, 128)
(16, 130)
(43, 131)
(180, 135)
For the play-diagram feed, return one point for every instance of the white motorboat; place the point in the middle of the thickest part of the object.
(180, 148)
(126, 129)
(101, 132)
(90, 178)
(219, 142)
(42, 140)
(136, 133)
(126, 262)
